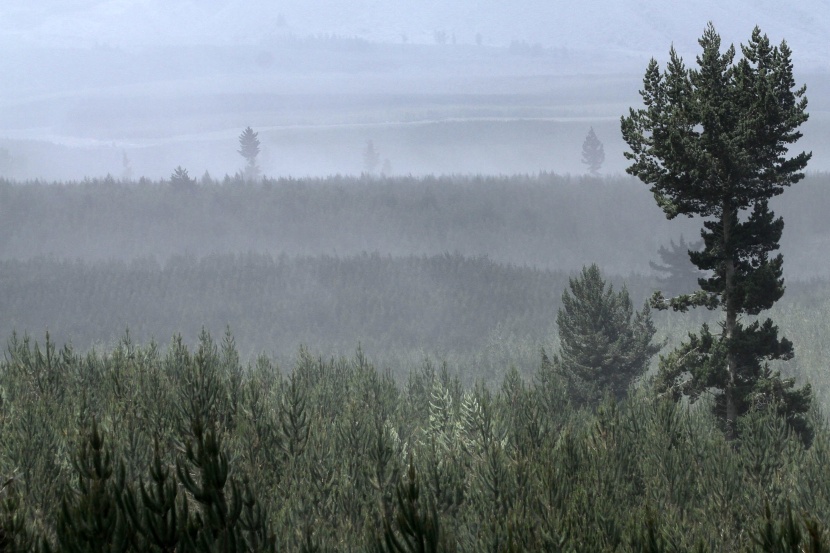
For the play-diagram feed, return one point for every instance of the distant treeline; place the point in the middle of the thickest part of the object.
(478, 315)
(546, 220)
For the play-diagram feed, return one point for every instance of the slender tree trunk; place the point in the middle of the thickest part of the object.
(731, 320)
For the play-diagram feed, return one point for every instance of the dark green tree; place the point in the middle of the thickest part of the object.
(416, 526)
(249, 149)
(90, 518)
(161, 513)
(294, 420)
(712, 142)
(604, 344)
(229, 516)
(593, 153)
(679, 274)
(15, 534)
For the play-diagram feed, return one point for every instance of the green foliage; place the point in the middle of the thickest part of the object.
(15, 534)
(791, 535)
(605, 345)
(334, 455)
(416, 527)
(729, 124)
(294, 420)
(713, 142)
(160, 513)
(90, 519)
(219, 525)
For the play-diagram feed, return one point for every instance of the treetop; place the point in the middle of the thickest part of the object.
(716, 136)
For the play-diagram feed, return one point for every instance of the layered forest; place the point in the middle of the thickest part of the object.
(375, 364)
(399, 362)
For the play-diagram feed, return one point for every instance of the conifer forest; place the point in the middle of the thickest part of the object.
(435, 363)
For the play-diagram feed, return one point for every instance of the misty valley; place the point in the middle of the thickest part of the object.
(426, 309)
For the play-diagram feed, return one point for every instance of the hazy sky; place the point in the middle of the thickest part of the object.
(631, 25)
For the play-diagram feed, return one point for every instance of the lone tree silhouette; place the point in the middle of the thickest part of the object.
(249, 149)
(127, 167)
(371, 158)
(593, 153)
(712, 142)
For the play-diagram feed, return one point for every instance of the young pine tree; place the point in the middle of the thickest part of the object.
(90, 518)
(416, 526)
(712, 142)
(605, 345)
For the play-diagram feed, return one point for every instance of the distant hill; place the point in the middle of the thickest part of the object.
(625, 27)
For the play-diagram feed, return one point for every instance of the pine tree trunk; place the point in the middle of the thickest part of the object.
(731, 321)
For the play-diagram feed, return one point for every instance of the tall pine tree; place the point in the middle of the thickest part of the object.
(712, 142)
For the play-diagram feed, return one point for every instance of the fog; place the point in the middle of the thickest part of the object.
(351, 268)
(316, 121)
(120, 93)
(453, 87)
